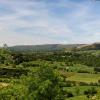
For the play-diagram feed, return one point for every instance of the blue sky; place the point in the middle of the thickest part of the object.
(49, 21)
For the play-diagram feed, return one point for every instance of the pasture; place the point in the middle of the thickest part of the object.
(84, 77)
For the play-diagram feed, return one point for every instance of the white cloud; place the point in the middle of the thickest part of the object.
(45, 27)
(15, 39)
(41, 20)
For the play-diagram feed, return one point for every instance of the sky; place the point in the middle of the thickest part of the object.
(32, 22)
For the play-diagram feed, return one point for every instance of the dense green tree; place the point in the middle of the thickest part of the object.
(43, 85)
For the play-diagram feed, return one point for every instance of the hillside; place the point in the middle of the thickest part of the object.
(94, 46)
(55, 47)
(47, 47)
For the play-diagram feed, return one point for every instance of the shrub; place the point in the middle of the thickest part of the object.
(91, 91)
(83, 84)
(70, 94)
(83, 71)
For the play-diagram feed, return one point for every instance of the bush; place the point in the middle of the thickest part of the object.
(70, 94)
(29, 64)
(83, 71)
(91, 91)
(94, 84)
(83, 84)
(99, 81)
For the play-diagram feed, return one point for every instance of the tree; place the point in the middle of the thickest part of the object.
(90, 92)
(5, 46)
(43, 85)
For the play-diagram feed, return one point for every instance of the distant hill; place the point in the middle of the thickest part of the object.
(94, 46)
(48, 47)
(56, 47)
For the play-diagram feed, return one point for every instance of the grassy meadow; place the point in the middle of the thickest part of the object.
(50, 75)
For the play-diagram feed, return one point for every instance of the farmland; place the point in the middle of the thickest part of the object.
(71, 75)
(88, 78)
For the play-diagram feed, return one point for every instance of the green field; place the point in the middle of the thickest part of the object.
(85, 77)
(49, 75)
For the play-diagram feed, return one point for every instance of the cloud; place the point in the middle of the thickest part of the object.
(36, 22)
(16, 39)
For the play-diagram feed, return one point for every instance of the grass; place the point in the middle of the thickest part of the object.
(78, 67)
(2, 85)
(78, 98)
(85, 77)
(81, 88)
(81, 95)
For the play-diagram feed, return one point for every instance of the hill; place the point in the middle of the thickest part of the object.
(55, 47)
(94, 46)
(47, 47)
